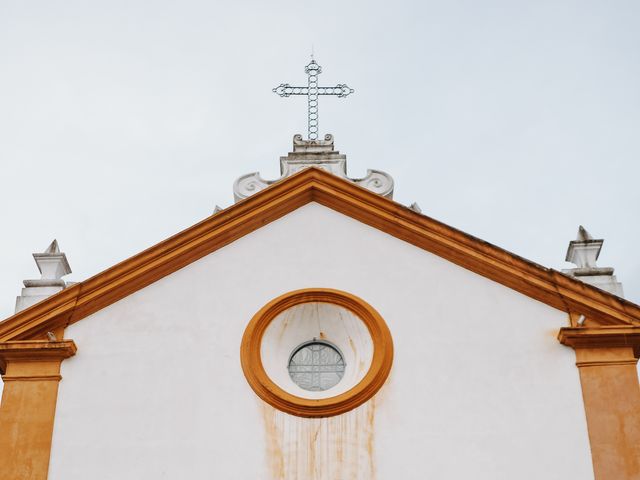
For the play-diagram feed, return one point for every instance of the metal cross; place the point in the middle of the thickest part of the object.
(312, 91)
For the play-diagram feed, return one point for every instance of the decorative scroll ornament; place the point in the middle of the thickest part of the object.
(319, 154)
(312, 91)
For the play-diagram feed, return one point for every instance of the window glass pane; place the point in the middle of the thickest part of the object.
(316, 366)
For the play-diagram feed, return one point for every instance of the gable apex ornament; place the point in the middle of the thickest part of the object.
(319, 154)
(312, 92)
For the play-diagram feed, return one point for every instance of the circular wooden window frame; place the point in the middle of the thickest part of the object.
(274, 395)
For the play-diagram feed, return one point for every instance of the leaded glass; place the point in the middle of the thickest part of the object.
(316, 366)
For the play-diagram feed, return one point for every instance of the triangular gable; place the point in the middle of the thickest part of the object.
(314, 185)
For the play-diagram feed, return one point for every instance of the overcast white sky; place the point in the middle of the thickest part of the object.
(123, 122)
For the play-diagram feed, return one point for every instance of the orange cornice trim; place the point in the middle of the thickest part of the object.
(271, 393)
(35, 351)
(600, 337)
(312, 184)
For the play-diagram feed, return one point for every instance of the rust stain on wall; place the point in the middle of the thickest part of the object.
(274, 446)
(352, 345)
(284, 326)
(340, 447)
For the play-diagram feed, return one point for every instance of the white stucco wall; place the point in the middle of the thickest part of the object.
(480, 387)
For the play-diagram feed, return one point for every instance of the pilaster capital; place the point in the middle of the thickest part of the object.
(25, 351)
(601, 337)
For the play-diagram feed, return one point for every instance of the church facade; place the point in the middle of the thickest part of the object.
(316, 329)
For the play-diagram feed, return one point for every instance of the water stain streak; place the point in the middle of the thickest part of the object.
(340, 447)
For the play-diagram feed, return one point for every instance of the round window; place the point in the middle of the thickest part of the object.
(316, 366)
(289, 363)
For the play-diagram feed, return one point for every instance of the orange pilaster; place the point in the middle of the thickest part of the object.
(606, 359)
(27, 411)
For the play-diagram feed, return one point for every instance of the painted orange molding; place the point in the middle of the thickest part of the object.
(27, 411)
(600, 337)
(35, 351)
(271, 393)
(606, 358)
(314, 185)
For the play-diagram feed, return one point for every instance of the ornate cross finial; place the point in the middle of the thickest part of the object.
(312, 91)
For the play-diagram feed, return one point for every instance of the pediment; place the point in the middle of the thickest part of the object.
(314, 185)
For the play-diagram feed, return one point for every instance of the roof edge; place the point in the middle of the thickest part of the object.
(543, 284)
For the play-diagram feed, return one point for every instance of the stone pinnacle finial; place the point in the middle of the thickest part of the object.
(583, 252)
(53, 265)
(53, 247)
(583, 235)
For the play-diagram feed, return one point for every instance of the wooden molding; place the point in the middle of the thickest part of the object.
(314, 185)
(271, 393)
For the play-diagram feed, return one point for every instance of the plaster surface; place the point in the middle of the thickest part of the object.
(480, 387)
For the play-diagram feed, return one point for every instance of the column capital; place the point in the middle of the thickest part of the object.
(601, 337)
(35, 351)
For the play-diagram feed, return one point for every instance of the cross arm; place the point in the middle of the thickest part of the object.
(340, 90)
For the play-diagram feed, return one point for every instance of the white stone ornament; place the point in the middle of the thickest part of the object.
(53, 265)
(583, 252)
(319, 154)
